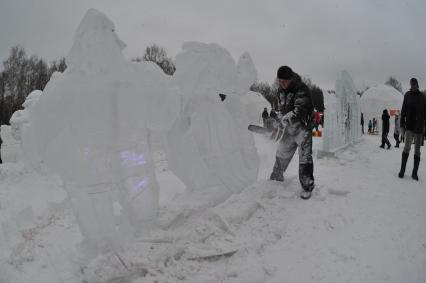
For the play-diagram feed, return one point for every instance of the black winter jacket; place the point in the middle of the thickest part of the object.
(297, 98)
(385, 122)
(413, 112)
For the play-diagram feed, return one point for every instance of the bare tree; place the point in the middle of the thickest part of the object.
(20, 76)
(158, 55)
(393, 82)
(316, 93)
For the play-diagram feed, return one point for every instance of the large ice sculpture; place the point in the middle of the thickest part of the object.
(342, 115)
(90, 127)
(209, 146)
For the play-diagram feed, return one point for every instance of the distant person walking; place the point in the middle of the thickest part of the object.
(374, 125)
(265, 117)
(0, 149)
(362, 123)
(385, 129)
(317, 120)
(273, 114)
(413, 120)
(396, 131)
(370, 126)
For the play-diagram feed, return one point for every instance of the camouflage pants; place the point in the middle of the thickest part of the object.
(296, 136)
(411, 137)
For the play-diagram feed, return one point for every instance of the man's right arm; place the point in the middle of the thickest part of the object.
(403, 112)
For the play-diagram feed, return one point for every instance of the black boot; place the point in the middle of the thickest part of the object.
(416, 167)
(403, 164)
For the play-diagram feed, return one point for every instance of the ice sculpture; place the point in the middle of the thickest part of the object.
(210, 139)
(342, 115)
(90, 127)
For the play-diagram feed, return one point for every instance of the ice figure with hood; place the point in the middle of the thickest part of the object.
(90, 127)
(209, 147)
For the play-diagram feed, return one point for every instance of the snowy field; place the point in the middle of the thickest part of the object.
(362, 224)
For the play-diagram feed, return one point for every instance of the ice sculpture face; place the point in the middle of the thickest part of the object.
(94, 41)
(211, 136)
(90, 128)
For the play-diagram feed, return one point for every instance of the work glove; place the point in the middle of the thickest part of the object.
(287, 119)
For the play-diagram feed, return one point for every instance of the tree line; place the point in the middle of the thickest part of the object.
(20, 76)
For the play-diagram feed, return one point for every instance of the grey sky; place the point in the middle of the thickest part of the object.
(372, 39)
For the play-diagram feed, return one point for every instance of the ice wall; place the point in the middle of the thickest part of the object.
(90, 127)
(209, 146)
(342, 115)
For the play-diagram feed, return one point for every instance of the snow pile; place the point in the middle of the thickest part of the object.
(376, 99)
(211, 138)
(10, 148)
(13, 136)
(90, 127)
(342, 115)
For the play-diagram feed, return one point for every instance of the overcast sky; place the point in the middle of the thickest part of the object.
(372, 39)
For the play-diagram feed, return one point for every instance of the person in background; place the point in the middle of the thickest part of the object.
(374, 125)
(0, 149)
(370, 126)
(265, 116)
(413, 120)
(273, 114)
(396, 131)
(385, 129)
(317, 120)
(362, 123)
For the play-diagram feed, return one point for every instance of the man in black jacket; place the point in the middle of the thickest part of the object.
(385, 129)
(296, 109)
(413, 115)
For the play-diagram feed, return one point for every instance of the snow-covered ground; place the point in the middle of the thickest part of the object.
(363, 224)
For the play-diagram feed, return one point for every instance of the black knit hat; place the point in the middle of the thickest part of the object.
(285, 73)
(414, 82)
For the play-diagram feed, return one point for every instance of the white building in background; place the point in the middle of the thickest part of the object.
(378, 98)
